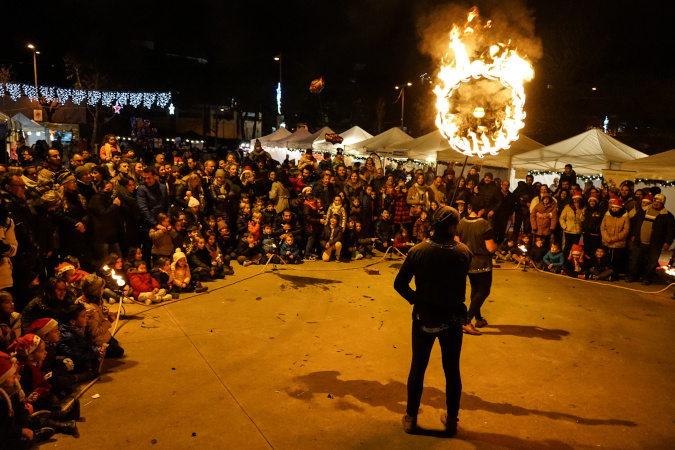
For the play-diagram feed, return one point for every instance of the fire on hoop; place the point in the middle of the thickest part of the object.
(480, 97)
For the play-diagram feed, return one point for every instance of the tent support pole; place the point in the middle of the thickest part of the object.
(454, 192)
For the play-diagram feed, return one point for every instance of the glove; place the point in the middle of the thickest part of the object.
(69, 364)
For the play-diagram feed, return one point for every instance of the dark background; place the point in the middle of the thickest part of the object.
(221, 52)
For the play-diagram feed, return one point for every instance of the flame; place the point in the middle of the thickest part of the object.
(120, 281)
(489, 125)
(670, 270)
(523, 248)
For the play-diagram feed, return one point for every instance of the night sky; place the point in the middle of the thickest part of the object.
(362, 49)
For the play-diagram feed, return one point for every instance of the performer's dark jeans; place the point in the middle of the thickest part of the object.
(450, 341)
(480, 289)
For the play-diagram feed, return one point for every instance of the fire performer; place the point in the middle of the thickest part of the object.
(479, 236)
(439, 266)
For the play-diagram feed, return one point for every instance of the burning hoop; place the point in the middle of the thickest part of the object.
(480, 100)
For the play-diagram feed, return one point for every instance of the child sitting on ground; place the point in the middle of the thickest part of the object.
(521, 253)
(505, 250)
(364, 242)
(349, 250)
(554, 260)
(146, 288)
(75, 345)
(600, 265)
(537, 253)
(577, 263)
(402, 240)
(421, 228)
(162, 274)
(331, 239)
(226, 242)
(290, 252)
(384, 231)
(268, 243)
(217, 254)
(99, 319)
(182, 277)
(202, 265)
(248, 251)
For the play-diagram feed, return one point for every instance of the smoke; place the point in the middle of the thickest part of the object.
(511, 21)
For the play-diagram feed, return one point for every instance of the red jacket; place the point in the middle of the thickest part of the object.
(141, 282)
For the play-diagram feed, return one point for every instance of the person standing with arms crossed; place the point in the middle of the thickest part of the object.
(439, 266)
(479, 236)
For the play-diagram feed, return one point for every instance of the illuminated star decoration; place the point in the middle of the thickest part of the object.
(172, 109)
(117, 108)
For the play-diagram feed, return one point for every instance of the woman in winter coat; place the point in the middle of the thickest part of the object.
(593, 216)
(571, 220)
(544, 217)
(615, 229)
(279, 194)
(8, 247)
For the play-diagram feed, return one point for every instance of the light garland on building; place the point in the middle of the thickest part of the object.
(77, 96)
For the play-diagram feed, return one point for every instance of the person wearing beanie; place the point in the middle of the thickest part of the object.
(221, 196)
(182, 276)
(577, 264)
(653, 232)
(571, 220)
(16, 427)
(478, 235)
(439, 266)
(99, 318)
(593, 217)
(614, 230)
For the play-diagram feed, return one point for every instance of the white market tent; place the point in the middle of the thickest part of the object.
(32, 130)
(384, 144)
(351, 136)
(277, 148)
(308, 141)
(278, 134)
(656, 167)
(589, 153)
(434, 146)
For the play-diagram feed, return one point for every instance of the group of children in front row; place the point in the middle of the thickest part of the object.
(551, 259)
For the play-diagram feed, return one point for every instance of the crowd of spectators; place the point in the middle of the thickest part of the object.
(91, 228)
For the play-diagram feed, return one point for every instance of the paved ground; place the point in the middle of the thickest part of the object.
(319, 358)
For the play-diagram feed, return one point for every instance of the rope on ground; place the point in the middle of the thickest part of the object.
(593, 281)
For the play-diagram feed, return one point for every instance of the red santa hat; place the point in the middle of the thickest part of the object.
(42, 327)
(63, 268)
(594, 197)
(577, 250)
(577, 194)
(25, 345)
(648, 198)
(618, 202)
(7, 366)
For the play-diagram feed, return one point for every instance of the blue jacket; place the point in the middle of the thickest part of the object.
(557, 259)
(295, 251)
(152, 201)
(78, 347)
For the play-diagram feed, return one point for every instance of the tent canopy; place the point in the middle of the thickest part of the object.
(434, 145)
(384, 143)
(589, 153)
(300, 133)
(308, 141)
(351, 136)
(278, 134)
(656, 167)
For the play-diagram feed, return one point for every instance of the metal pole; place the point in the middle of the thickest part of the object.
(402, 104)
(35, 71)
(454, 193)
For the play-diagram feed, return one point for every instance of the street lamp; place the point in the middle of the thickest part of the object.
(35, 52)
(402, 97)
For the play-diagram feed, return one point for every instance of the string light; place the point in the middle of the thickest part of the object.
(135, 99)
(107, 98)
(14, 90)
(163, 99)
(62, 95)
(148, 99)
(93, 97)
(78, 95)
(48, 93)
(30, 92)
(123, 98)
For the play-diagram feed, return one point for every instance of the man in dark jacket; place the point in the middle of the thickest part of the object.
(27, 258)
(503, 212)
(654, 231)
(153, 198)
(524, 194)
(439, 266)
(488, 193)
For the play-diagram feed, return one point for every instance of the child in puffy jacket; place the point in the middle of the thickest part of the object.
(146, 289)
(290, 252)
